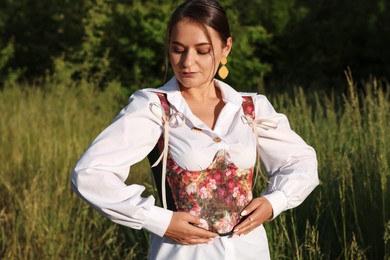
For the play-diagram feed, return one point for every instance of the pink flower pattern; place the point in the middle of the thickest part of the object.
(217, 194)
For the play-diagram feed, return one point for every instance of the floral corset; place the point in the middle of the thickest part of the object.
(216, 194)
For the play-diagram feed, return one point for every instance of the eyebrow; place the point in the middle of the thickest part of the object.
(198, 44)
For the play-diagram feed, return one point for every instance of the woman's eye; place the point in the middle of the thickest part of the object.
(203, 52)
(178, 50)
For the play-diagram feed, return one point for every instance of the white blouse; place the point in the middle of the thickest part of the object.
(99, 175)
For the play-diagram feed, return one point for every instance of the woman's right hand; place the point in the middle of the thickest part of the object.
(182, 230)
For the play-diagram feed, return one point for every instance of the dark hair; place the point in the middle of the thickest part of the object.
(203, 12)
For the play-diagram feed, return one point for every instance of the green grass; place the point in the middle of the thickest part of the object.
(45, 128)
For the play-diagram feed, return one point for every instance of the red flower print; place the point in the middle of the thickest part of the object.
(217, 194)
(217, 176)
(229, 200)
(221, 192)
(231, 184)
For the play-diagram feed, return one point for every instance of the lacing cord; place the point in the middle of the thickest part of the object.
(265, 124)
(174, 120)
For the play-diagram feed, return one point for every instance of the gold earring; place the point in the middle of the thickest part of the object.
(223, 72)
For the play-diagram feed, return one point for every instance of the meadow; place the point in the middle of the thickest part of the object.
(45, 127)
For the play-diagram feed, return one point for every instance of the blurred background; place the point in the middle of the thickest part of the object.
(67, 68)
(277, 44)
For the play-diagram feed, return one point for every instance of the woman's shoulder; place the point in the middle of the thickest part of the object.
(149, 94)
(263, 107)
(258, 99)
(143, 95)
(254, 95)
(168, 87)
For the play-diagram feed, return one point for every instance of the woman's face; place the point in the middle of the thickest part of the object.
(191, 54)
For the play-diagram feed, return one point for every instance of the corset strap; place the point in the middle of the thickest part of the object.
(168, 120)
(265, 124)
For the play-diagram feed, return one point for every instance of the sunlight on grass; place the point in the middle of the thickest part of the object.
(45, 129)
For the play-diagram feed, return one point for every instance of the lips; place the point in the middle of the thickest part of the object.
(189, 74)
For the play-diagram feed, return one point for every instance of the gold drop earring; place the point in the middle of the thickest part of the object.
(223, 72)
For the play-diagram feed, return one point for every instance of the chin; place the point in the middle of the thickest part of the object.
(189, 82)
(193, 82)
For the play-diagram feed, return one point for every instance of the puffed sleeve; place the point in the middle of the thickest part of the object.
(99, 175)
(290, 163)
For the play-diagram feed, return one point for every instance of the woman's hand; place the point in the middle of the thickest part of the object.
(183, 232)
(258, 211)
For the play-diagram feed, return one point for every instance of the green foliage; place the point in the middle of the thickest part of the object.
(277, 43)
(6, 54)
(39, 31)
(137, 43)
(114, 41)
(323, 38)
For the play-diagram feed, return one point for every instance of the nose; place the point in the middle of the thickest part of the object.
(188, 59)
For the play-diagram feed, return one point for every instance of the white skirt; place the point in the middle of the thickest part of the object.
(251, 246)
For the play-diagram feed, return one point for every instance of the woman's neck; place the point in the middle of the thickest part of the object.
(201, 95)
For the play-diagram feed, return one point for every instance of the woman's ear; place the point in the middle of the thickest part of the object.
(228, 47)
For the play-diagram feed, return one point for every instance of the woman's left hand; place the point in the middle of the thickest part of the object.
(258, 211)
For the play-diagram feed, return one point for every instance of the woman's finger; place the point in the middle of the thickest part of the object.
(182, 230)
(258, 211)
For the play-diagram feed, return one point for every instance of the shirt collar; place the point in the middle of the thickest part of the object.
(233, 101)
(229, 94)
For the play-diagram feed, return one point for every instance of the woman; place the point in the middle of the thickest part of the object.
(210, 137)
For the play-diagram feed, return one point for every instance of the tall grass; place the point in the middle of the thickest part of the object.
(45, 128)
(347, 216)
